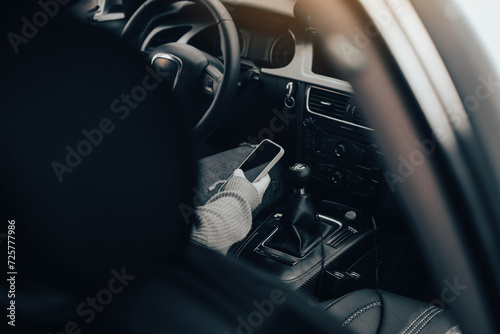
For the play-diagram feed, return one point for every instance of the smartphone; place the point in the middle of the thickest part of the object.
(261, 160)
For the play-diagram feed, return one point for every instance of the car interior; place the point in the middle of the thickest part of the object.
(343, 250)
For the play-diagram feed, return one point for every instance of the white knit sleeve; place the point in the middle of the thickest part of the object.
(227, 217)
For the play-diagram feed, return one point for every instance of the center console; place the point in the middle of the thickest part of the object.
(326, 247)
(332, 266)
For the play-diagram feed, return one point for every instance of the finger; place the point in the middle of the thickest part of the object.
(239, 172)
(262, 185)
(264, 181)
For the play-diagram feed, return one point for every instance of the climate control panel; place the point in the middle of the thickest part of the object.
(342, 156)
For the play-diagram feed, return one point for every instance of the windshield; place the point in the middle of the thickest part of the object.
(483, 17)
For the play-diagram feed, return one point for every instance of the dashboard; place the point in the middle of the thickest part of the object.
(272, 48)
(265, 39)
(334, 137)
(270, 38)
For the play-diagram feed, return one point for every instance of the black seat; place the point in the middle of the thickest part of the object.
(106, 225)
(95, 185)
(380, 312)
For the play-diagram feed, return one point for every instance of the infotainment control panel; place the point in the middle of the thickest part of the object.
(339, 145)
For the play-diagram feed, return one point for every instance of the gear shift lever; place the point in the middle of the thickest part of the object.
(299, 175)
(299, 229)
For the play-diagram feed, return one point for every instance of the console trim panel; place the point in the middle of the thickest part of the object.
(288, 259)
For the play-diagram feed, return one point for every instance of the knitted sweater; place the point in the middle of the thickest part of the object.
(227, 217)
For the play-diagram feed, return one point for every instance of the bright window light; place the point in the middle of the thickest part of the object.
(484, 15)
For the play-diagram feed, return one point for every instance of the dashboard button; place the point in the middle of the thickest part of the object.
(337, 177)
(340, 150)
(308, 122)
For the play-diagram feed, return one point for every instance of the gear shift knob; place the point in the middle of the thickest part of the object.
(299, 230)
(299, 175)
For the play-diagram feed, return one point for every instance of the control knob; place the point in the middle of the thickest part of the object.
(337, 177)
(340, 150)
(308, 122)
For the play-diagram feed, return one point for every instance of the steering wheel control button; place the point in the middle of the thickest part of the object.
(350, 216)
(208, 84)
(252, 74)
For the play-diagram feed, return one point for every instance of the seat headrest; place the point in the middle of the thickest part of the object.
(95, 156)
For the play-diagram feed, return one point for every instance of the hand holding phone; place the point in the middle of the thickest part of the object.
(260, 185)
(260, 161)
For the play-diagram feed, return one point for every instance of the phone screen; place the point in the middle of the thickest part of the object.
(259, 159)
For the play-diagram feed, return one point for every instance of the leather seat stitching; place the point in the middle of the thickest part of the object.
(382, 310)
(428, 320)
(360, 311)
(429, 314)
(420, 315)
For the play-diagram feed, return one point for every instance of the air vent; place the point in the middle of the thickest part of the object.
(165, 36)
(328, 103)
(335, 105)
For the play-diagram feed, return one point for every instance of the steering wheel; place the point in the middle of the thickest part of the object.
(186, 68)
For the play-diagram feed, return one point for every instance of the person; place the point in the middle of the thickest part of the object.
(224, 218)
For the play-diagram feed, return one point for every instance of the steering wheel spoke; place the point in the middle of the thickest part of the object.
(184, 65)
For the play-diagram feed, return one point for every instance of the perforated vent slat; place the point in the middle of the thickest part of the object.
(336, 105)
